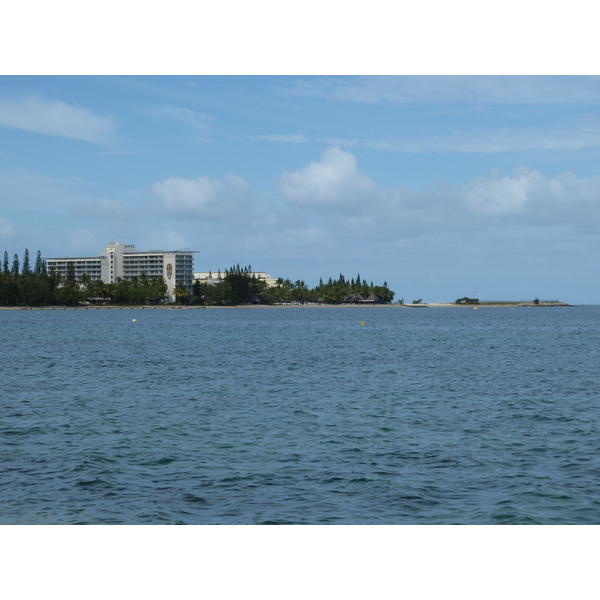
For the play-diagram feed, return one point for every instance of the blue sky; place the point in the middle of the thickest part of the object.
(442, 186)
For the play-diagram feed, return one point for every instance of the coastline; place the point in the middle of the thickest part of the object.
(291, 306)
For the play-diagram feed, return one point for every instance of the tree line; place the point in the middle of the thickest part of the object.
(240, 286)
(22, 285)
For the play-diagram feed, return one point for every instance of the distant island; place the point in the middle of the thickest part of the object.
(534, 302)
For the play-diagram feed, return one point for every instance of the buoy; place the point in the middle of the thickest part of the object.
(474, 308)
(362, 322)
(134, 320)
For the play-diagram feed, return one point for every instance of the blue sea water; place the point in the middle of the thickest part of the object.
(300, 416)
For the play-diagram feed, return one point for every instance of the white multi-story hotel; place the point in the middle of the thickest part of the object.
(123, 261)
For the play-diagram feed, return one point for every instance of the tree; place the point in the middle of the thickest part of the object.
(86, 284)
(181, 293)
(70, 274)
(5, 262)
(39, 264)
(15, 266)
(466, 300)
(26, 269)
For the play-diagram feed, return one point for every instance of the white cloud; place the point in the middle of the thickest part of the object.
(296, 138)
(203, 198)
(564, 199)
(8, 230)
(333, 195)
(332, 184)
(501, 195)
(56, 118)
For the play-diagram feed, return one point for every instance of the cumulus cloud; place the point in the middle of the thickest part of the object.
(332, 184)
(536, 198)
(203, 198)
(56, 118)
(333, 195)
(8, 230)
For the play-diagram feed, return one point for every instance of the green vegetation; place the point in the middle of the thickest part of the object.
(38, 287)
(239, 286)
(466, 300)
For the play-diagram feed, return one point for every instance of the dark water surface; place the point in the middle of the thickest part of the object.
(300, 415)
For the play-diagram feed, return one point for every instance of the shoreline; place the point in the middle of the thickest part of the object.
(290, 306)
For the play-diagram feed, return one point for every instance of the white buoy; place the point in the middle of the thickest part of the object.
(134, 320)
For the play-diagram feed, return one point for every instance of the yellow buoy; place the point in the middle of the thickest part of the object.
(134, 320)
(362, 322)
(474, 308)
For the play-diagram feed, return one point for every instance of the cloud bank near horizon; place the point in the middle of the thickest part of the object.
(333, 188)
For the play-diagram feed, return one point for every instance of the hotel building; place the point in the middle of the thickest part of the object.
(123, 261)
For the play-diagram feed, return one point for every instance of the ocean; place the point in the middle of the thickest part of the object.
(300, 415)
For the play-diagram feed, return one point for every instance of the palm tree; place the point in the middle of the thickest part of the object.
(181, 293)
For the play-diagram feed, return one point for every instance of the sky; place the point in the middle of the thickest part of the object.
(441, 186)
(430, 145)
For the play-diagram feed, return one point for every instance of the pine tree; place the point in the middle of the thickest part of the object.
(5, 263)
(26, 269)
(15, 266)
(39, 264)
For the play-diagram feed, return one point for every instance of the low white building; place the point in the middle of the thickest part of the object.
(123, 261)
(212, 277)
